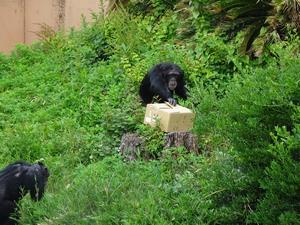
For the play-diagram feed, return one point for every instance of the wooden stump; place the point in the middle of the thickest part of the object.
(131, 146)
(185, 139)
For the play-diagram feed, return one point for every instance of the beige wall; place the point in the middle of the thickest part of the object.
(76, 9)
(38, 12)
(20, 20)
(11, 23)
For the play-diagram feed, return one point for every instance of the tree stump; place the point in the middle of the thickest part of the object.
(132, 146)
(185, 139)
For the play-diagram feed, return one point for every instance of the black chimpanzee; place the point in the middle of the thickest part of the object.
(162, 80)
(16, 180)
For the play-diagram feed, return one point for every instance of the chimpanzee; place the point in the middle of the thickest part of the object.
(161, 81)
(16, 180)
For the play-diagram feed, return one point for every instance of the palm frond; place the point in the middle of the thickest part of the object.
(291, 10)
(251, 34)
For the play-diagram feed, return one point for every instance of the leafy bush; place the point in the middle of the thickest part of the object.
(155, 7)
(255, 104)
(280, 204)
(153, 139)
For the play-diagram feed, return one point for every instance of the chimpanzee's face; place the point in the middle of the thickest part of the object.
(172, 83)
(172, 76)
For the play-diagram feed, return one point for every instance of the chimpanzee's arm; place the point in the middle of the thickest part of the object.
(145, 92)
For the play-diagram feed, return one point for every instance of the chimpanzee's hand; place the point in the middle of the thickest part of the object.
(172, 101)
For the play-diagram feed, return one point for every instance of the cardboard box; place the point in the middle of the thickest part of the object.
(169, 118)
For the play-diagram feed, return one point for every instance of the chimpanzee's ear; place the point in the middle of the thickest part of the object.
(44, 169)
(46, 172)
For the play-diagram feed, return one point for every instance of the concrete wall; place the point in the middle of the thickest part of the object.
(38, 12)
(20, 20)
(11, 24)
(76, 9)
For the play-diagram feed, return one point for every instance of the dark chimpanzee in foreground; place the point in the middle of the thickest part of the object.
(16, 180)
(162, 80)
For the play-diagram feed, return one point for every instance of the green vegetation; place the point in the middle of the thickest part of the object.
(68, 100)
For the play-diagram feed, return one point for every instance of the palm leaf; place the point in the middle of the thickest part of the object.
(253, 15)
(291, 10)
(251, 34)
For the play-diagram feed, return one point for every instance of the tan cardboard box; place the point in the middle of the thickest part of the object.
(169, 119)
